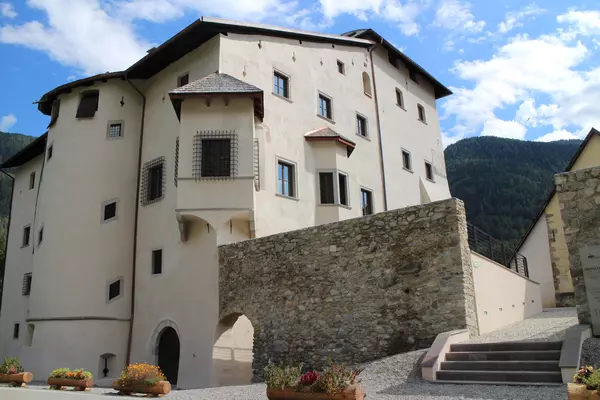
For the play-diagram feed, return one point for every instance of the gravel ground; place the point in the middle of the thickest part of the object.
(590, 352)
(398, 377)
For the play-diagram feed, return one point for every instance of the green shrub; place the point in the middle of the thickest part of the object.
(66, 373)
(59, 373)
(593, 382)
(335, 379)
(282, 377)
(11, 365)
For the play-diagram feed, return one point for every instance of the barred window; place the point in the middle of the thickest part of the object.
(153, 181)
(256, 166)
(215, 155)
(176, 166)
(115, 130)
(27, 284)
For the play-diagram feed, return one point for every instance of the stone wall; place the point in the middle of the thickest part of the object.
(579, 197)
(355, 290)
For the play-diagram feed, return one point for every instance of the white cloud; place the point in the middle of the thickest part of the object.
(7, 122)
(560, 134)
(514, 19)
(505, 129)
(585, 23)
(457, 16)
(8, 10)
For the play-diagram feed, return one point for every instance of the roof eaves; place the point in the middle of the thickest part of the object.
(27, 153)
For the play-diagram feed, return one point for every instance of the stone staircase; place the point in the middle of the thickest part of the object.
(508, 363)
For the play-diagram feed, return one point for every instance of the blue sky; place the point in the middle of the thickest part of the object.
(518, 69)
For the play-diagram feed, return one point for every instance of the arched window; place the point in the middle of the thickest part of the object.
(366, 84)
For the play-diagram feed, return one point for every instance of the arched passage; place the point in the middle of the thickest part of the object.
(232, 351)
(168, 354)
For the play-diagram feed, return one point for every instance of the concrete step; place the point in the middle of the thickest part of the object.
(501, 365)
(507, 346)
(501, 376)
(503, 355)
(487, 383)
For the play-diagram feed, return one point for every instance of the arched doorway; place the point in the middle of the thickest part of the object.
(233, 351)
(168, 354)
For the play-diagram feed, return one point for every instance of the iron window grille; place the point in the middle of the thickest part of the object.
(176, 166)
(115, 130)
(27, 284)
(215, 155)
(153, 182)
(366, 201)
(281, 85)
(88, 104)
(256, 164)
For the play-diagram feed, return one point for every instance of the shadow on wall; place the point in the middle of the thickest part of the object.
(232, 352)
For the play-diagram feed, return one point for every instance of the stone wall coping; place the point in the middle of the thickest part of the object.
(505, 268)
(570, 354)
(437, 352)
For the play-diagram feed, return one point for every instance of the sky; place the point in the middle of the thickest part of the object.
(518, 69)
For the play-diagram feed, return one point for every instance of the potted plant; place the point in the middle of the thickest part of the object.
(336, 382)
(586, 384)
(79, 379)
(11, 372)
(142, 378)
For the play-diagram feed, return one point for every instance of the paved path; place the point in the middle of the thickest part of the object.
(392, 378)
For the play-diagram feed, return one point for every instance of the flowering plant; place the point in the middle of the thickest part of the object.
(583, 375)
(335, 379)
(282, 377)
(65, 373)
(11, 365)
(308, 378)
(140, 374)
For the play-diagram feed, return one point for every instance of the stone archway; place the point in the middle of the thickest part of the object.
(233, 351)
(168, 354)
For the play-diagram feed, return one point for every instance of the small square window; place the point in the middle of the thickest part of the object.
(114, 289)
(88, 105)
(361, 126)
(26, 291)
(366, 201)
(343, 188)
(115, 130)
(183, 80)
(341, 67)
(281, 85)
(32, 180)
(406, 161)
(157, 259)
(399, 98)
(26, 235)
(16, 331)
(286, 179)
(421, 111)
(325, 110)
(50, 149)
(40, 235)
(109, 211)
(429, 170)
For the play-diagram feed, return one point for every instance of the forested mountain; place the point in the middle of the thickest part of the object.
(10, 143)
(504, 182)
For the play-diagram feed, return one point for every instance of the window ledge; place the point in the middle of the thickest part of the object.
(282, 97)
(283, 196)
(424, 122)
(364, 137)
(326, 119)
(400, 106)
(335, 205)
(24, 245)
(430, 180)
(368, 95)
(409, 170)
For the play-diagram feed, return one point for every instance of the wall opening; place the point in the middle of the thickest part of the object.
(366, 84)
(29, 337)
(232, 351)
(107, 367)
(168, 354)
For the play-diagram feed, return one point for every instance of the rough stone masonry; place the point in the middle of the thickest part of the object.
(355, 290)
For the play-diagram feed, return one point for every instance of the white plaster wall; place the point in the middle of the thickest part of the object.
(401, 129)
(312, 68)
(537, 251)
(502, 296)
(19, 260)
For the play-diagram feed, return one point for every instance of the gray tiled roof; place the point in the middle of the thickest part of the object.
(326, 132)
(216, 83)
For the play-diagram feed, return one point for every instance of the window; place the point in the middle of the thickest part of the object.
(114, 289)
(40, 235)
(421, 111)
(325, 107)
(215, 155)
(332, 189)
(88, 105)
(366, 201)
(176, 163)
(152, 181)
(392, 59)
(16, 331)
(50, 148)
(109, 211)
(26, 284)
(413, 76)
(406, 161)
(281, 85)
(428, 170)
(115, 130)
(286, 179)
(341, 67)
(54, 112)
(399, 98)
(26, 234)
(366, 84)
(183, 80)
(29, 339)
(157, 262)
(32, 180)
(361, 126)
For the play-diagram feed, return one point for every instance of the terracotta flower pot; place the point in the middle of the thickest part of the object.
(158, 389)
(17, 379)
(353, 392)
(78, 384)
(580, 392)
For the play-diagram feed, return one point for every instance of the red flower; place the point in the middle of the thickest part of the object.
(309, 378)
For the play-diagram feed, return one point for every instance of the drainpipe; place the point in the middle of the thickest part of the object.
(12, 189)
(381, 166)
(135, 226)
